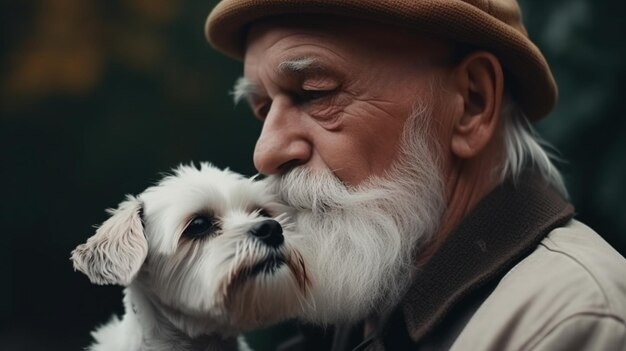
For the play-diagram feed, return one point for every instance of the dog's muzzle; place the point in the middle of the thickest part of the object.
(269, 232)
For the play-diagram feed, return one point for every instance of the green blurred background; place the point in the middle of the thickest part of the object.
(99, 97)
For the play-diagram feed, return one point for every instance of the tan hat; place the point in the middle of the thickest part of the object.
(494, 25)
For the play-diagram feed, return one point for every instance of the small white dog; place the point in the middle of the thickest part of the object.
(203, 256)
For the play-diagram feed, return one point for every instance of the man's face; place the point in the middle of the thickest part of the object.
(347, 110)
(333, 95)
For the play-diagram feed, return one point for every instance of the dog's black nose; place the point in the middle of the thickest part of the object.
(269, 231)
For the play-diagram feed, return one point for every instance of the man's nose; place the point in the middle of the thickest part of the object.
(282, 144)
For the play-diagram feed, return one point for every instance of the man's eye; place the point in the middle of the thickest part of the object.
(311, 95)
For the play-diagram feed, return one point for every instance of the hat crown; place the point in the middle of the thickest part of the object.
(507, 11)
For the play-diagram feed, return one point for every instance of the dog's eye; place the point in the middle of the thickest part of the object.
(200, 227)
(264, 213)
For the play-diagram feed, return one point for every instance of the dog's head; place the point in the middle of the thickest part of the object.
(210, 247)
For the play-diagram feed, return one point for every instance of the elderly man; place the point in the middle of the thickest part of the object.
(431, 216)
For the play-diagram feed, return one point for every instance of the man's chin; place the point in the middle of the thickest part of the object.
(358, 261)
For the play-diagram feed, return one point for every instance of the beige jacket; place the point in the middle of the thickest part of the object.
(569, 294)
(519, 273)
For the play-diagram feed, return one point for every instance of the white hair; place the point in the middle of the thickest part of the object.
(525, 148)
(360, 242)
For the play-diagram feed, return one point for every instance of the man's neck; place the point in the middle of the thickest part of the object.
(467, 183)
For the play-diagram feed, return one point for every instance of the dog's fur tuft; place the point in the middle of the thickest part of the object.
(117, 250)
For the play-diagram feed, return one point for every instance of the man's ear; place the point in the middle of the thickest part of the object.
(480, 81)
(118, 249)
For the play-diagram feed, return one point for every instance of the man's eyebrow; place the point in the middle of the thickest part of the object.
(243, 90)
(298, 65)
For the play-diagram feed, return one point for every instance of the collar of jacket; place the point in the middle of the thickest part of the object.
(505, 226)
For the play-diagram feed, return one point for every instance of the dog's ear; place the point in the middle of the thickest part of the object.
(118, 249)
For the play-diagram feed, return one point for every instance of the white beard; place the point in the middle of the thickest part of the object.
(360, 243)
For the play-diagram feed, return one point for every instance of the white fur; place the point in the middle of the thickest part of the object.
(192, 294)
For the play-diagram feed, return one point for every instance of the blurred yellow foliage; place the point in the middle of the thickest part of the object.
(62, 52)
(159, 11)
(67, 48)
